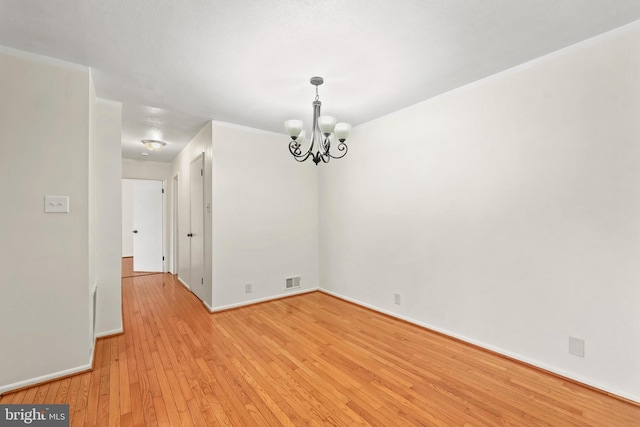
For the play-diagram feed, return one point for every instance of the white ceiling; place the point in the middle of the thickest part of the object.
(176, 64)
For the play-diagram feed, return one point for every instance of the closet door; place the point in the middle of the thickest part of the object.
(196, 233)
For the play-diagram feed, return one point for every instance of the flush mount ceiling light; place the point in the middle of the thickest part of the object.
(324, 130)
(153, 144)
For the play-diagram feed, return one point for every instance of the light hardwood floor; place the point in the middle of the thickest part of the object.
(127, 268)
(306, 360)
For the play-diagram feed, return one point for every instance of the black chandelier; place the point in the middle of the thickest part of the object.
(324, 130)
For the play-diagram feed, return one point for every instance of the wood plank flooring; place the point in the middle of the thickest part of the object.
(306, 360)
(127, 268)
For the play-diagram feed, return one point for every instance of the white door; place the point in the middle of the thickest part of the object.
(196, 233)
(147, 226)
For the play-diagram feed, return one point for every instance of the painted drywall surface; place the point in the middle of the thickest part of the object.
(201, 143)
(506, 212)
(265, 216)
(92, 159)
(135, 169)
(92, 199)
(44, 297)
(107, 188)
(140, 169)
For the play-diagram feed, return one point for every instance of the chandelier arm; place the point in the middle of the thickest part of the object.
(302, 158)
(323, 145)
(328, 148)
(342, 147)
(294, 149)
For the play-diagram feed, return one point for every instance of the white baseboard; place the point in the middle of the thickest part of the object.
(255, 301)
(489, 347)
(44, 378)
(93, 351)
(208, 306)
(111, 332)
(183, 283)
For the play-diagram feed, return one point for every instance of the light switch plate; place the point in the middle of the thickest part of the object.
(59, 204)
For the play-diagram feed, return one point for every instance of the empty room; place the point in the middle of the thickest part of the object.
(340, 213)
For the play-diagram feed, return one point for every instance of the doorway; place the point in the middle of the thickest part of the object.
(142, 224)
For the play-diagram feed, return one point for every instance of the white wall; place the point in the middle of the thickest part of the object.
(265, 216)
(44, 149)
(506, 212)
(263, 222)
(93, 195)
(141, 169)
(107, 216)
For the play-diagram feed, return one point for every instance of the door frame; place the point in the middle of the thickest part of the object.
(176, 228)
(197, 288)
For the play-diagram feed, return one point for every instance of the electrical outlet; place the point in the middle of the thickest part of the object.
(247, 288)
(56, 204)
(397, 299)
(576, 346)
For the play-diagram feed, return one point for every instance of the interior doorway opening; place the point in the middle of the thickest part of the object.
(142, 225)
